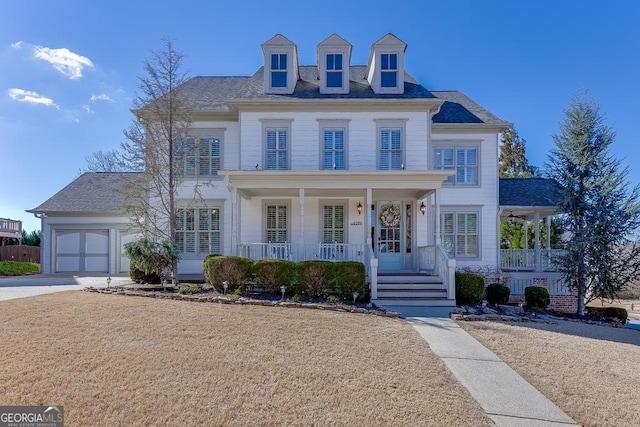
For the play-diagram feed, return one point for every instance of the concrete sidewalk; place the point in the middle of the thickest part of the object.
(38, 284)
(505, 396)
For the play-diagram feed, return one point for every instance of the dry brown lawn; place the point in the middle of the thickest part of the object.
(591, 372)
(114, 360)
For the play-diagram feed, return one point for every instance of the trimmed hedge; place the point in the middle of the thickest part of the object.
(315, 278)
(270, 274)
(608, 313)
(350, 277)
(497, 293)
(235, 270)
(469, 288)
(537, 297)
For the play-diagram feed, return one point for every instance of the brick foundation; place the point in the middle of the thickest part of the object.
(561, 303)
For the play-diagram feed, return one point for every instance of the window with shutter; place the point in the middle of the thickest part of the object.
(464, 161)
(334, 149)
(277, 151)
(277, 223)
(198, 231)
(391, 149)
(333, 229)
(459, 233)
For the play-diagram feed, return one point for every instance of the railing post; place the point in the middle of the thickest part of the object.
(451, 267)
(374, 278)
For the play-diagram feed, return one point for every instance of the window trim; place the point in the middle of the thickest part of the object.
(457, 210)
(284, 71)
(333, 202)
(209, 205)
(395, 70)
(283, 124)
(276, 202)
(333, 124)
(382, 124)
(457, 145)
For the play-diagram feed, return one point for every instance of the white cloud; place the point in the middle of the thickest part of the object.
(68, 63)
(17, 45)
(31, 97)
(87, 108)
(101, 97)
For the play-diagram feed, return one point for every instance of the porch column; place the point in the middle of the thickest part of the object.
(536, 243)
(437, 222)
(549, 233)
(373, 262)
(526, 235)
(301, 200)
(235, 229)
(368, 201)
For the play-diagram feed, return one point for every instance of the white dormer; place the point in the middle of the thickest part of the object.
(385, 71)
(334, 57)
(280, 65)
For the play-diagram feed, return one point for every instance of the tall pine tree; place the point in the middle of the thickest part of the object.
(601, 211)
(512, 162)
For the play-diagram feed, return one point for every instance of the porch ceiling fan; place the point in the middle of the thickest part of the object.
(512, 217)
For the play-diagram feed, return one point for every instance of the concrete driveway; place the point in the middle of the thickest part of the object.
(38, 284)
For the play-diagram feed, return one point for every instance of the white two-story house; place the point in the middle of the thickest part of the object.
(332, 161)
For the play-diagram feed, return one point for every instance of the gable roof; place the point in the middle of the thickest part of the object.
(459, 108)
(529, 192)
(91, 192)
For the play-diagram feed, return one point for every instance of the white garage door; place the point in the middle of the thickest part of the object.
(82, 251)
(124, 259)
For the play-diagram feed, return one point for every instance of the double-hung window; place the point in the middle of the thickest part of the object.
(277, 149)
(278, 70)
(334, 70)
(389, 70)
(277, 223)
(333, 149)
(199, 156)
(391, 149)
(198, 231)
(459, 232)
(462, 160)
(333, 223)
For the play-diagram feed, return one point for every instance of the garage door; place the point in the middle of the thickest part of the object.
(82, 251)
(124, 259)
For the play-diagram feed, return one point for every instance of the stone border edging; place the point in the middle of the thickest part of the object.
(244, 301)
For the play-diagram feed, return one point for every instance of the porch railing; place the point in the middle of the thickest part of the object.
(10, 227)
(295, 252)
(435, 259)
(525, 259)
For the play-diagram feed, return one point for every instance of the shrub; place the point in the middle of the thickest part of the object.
(469, 288)
(204, 270)
(314, 278)
(190, 289)
(139, 276)
(235, 270)
(272, 273)
(151, 257)
(609, 313)
(537, 297)
(497, 293)
(350, 277)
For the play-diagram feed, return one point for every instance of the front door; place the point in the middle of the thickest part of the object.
(390, 230)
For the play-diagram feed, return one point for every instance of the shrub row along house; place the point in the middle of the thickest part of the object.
(333, 161)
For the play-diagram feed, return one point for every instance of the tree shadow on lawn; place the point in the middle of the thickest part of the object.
(587, 330)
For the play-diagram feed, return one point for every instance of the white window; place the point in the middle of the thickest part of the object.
(334, 70)
(276, 221)
(278, 70)
(277, 149)
(199, 156)
(389, 70)
(391, 155)
(333, 149)
(198, 231)
(463, 160)
(333, 223)
(459, 232)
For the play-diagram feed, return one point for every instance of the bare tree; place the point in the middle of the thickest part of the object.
(110, 161)
(155, 139)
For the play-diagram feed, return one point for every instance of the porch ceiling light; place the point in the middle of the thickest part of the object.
(423, 208)
(359, 208)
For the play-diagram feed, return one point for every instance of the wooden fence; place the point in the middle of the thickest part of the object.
(21, 253)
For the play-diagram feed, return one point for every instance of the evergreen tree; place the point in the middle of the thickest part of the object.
(512, 162)
(601, 211)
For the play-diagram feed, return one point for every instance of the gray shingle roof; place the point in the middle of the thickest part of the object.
(211, 93)
(91, 192)
(540, 192)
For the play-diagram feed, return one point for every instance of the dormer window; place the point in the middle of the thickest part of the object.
(334, 70)
(334, 56)
(279, 70)
(389, 70)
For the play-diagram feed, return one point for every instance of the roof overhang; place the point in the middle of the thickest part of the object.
(337, 104)
(470, 127)
(414, 184)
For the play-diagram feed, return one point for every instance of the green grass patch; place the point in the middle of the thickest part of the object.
(13, 268)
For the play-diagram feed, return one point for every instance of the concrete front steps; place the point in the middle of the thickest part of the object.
(411, 290)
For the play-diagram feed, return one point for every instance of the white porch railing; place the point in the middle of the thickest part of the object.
(525, 259)
(435, 259)
(295, 252)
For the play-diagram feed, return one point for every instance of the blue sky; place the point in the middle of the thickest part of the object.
(69, 68)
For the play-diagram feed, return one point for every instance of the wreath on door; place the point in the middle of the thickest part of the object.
(390, 217)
